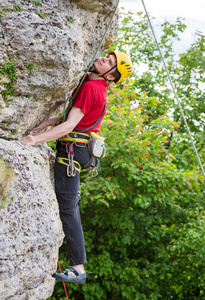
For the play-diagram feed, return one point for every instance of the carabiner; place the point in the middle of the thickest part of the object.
(93, 171)
(71, 169)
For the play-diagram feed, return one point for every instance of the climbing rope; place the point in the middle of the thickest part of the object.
(174, 91)
(70, 99)
(63, 281)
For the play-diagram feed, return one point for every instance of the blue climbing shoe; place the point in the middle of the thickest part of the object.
(71, 275)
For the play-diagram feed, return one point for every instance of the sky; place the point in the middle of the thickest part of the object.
(192, 11)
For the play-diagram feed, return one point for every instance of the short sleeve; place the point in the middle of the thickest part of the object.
(85, 98)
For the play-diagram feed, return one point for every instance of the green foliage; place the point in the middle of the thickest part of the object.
(16, 8)
(70, 19)
(31, 67)
(14, 131)
(8, 69)
(52, 145)
(7, 9)
(41, 14)
(6, 175)
(186, 71)
(37, 3)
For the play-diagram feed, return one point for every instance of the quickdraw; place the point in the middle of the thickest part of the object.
(93, 171)
(71, 169)
(93, 167)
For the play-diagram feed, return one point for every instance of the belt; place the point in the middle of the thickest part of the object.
(75, 137)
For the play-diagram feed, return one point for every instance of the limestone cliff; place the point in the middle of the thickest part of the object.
(30, 231)
(45, 47)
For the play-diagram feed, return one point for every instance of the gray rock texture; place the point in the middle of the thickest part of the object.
(30, 231)
(51, 46)
(45, 48)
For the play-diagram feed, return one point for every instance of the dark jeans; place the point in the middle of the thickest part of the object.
(68, 195)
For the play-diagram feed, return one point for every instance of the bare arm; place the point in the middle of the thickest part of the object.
(74, 117)
(50, 122)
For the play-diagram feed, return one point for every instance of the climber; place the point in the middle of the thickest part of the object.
(73, 154)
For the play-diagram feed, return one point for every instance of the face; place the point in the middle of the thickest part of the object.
(104, 64)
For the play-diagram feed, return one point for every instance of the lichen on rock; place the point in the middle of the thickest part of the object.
(6, 176)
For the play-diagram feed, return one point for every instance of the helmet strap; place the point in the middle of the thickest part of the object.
(101, 75)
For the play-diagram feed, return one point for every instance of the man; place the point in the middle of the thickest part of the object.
(73, 154)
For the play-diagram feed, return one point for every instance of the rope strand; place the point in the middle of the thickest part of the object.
(174, 91)
(63, 281)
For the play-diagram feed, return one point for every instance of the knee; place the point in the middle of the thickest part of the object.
(68, 205)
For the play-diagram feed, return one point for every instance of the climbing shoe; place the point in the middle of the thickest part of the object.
(71, 275)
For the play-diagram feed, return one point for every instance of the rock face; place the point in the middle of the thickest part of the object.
(45, 47)
(51, 46)
(30, 231)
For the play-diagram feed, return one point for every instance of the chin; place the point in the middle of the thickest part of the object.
(96, 65)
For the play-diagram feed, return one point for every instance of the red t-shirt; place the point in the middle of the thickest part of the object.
(91, 98)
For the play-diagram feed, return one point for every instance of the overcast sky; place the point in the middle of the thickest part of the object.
(192, 11)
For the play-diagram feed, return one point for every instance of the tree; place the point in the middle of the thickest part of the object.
(186, 71)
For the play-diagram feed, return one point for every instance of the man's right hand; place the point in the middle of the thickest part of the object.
(28, 140)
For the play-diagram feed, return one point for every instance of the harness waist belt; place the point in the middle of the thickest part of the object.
(76, 137)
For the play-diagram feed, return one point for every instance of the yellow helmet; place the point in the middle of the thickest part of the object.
(124, 65)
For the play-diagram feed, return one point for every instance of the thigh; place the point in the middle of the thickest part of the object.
(67, 188)
(82, 155)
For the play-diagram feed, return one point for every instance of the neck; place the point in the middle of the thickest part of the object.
(94, 76)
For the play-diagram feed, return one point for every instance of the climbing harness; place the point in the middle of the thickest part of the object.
(174, 91)
(73, 138)
(81, 139)
(70, 99)
(65, 161)
(96, 147)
